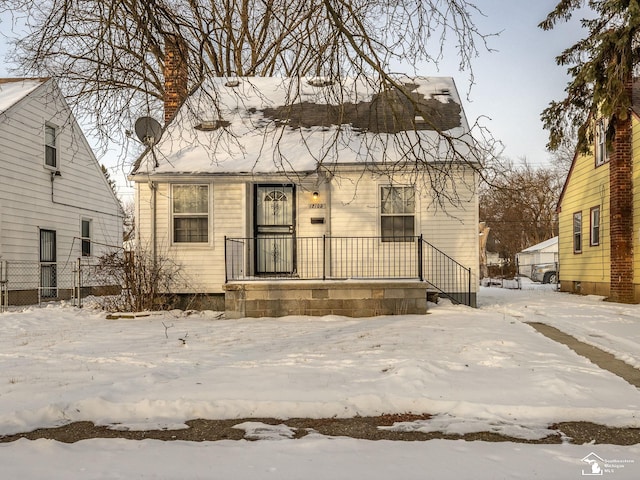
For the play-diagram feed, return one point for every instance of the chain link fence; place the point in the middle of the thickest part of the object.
(510, 274)
(35, 283)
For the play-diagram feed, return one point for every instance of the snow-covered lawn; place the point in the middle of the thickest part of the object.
(473, 369)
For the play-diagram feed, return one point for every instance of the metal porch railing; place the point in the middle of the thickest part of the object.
(446, 275)
(338, 258)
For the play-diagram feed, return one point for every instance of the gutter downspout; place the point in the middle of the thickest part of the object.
(154, 244)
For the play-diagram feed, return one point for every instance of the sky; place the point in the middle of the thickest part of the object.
(513, 83)
(516, 81)
(472, 370)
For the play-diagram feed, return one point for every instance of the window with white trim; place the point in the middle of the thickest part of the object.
(85, 237)
(577, 232)
(602, 152)
(50, 147)
(594, 237)
(190, 210)
(397, 213)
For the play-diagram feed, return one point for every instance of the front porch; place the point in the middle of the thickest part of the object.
(277, 275)
(351, 298)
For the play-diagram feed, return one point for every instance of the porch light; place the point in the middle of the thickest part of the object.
(315, 195)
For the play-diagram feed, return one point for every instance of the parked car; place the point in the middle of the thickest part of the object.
(545, 273)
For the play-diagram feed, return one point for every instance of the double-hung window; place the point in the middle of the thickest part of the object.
(397, 219)
(602, 153)
(577, 232)
(594, 237)
(50, 147)
(190, 213)
(85, 235)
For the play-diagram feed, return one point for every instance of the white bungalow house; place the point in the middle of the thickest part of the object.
(56, 205)
(308, 196)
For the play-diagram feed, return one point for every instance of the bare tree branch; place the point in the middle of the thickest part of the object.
(109, 56)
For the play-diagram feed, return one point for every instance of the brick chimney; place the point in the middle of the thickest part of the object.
(621, 207)
(175, 75)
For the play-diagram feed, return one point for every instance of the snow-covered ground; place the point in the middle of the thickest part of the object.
(473, 369)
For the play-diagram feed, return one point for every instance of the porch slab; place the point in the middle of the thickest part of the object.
(352, 298)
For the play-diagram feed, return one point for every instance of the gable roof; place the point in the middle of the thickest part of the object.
(12, 90)
(15, 90)
(635, 109)
(542, 245)
(273, 125)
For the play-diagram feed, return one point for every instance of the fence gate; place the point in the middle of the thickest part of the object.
(4, 292)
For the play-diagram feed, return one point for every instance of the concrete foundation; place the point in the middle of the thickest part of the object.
(348, 298)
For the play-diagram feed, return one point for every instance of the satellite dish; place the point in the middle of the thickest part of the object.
(148, 130)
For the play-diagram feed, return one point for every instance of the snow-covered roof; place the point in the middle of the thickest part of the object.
(269, 125)
(542, 245)
(12, 90)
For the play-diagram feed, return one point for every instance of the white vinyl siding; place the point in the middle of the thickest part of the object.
(349, 206)
(31, 201)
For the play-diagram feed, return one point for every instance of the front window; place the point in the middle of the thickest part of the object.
(190, 213)
(398, 205)
(602, 153)
(577, 232)
(51, 151)
(595, 226)
(86, 237)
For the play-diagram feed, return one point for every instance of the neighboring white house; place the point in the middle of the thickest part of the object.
(543, 252)
(291, 187)
(55, 203)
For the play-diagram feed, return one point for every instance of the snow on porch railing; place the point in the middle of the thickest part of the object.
(338, 258)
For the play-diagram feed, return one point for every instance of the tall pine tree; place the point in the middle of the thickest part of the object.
(602, 67)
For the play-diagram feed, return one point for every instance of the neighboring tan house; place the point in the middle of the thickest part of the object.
(273, 202)
(598, 209)
(55, 203)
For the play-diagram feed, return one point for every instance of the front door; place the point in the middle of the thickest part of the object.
(275, 229)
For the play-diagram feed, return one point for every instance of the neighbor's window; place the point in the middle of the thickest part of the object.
(577, 232)
(190, 213)
(398, 205)
(602, 153)
(595, 227)
(50, 150)
(85, 235)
